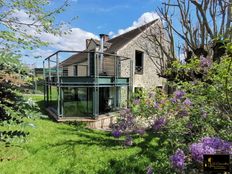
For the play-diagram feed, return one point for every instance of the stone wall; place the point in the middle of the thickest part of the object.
(149, 79)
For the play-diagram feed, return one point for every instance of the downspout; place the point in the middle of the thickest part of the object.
(101, 53)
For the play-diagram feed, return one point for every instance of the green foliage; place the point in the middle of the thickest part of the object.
(199, 107)
(23, 22)
(13, 107)
(53, 148)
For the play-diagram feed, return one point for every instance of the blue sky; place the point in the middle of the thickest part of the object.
(94, 17)
(108, 15)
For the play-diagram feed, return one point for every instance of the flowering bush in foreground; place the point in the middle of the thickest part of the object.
(209, 145)
(150, 170)
(200, 107)
(178, 159)
(159, 123)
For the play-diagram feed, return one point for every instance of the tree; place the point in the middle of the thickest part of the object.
(23, 33)
(17, 34)
(199, 27)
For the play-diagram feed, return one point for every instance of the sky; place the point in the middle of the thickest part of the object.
(112, 17)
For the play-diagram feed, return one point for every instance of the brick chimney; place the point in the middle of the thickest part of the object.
(105, 37)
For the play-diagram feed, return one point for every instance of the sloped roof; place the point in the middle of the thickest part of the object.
(121, 40)
(113, 44)
(79, 57)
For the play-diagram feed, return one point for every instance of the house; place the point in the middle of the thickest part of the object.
(100, 79)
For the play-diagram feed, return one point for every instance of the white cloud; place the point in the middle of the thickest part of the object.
(143, 19)
(111, 33)
(75, 40)
(36, 62)
(21, 16)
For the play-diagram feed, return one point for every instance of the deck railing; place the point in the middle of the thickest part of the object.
(85, 64)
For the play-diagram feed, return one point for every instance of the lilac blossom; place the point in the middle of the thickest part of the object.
(162, 101)
(183, 112)
(179, 94)
(123, 112)
(159, 123)
(137, 101)
(127, 110)
(209, 145)
(140, 131)
(178, 159)
(227, 147)
(126, 122)
(116, 133)
(150, 170)
(187, 102)
(205, 62)
(173, 100)
(128, 141)
(213, 142)
(156, 105)
(198, 150)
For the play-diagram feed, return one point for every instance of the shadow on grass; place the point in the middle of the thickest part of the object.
(151, 149)
(89, 137)
(41, 105)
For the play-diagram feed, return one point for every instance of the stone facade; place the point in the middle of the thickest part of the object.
(149, 78)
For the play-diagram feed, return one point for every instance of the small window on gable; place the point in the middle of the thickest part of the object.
(75, 70)
(138, 62)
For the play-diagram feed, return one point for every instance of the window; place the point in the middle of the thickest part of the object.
(138, 62)
(159, 87)
(75, 70)
(65, 71)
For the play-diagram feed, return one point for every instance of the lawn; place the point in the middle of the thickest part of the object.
(67, 148)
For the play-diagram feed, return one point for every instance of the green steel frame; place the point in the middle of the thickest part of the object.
(52, 77)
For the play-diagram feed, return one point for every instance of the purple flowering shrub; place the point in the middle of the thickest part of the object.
(209, 145)
(178, 160)
(159, 123)
(199, 107)
(125, 125)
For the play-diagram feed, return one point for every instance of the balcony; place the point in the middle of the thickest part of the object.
(86, 85)
(87, 69)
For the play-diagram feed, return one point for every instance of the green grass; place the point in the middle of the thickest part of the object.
(64, 148)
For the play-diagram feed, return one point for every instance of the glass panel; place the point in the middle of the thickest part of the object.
(106, 100)
(52, 97)
(77, 102)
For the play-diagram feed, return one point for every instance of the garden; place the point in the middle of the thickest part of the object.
(158, 133)
(161, 131)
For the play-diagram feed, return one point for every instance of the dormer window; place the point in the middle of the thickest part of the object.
(139, 62)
